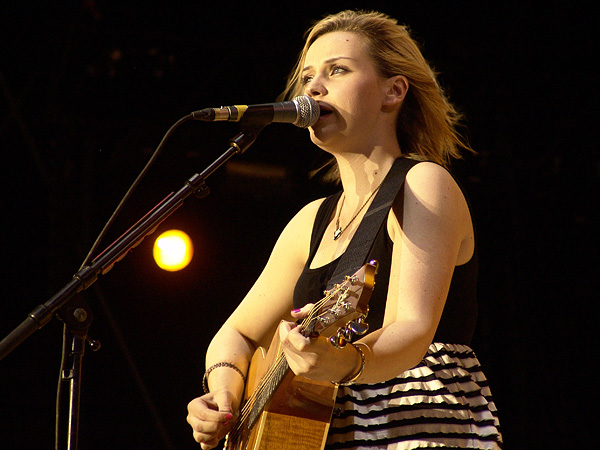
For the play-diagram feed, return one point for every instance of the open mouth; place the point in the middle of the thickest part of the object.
(325, 110)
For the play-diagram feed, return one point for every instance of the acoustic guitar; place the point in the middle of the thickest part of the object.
(282, 411)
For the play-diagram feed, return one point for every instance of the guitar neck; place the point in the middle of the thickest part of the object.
(286, 411)
(267, 388)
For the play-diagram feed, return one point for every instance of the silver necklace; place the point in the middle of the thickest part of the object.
(339, 230)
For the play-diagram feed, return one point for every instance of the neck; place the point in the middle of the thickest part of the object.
(361, 174)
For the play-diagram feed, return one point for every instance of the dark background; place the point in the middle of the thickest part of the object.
(88, 90)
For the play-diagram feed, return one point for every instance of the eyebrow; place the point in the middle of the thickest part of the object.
(329, 61)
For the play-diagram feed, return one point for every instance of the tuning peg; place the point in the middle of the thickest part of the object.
(359, 326)
(375, 263)
(352, 280)
(338, 341)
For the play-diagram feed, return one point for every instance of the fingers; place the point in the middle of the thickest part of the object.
(285, 328)
(224, 400)
(301, 313)
(299, 350)
(291, 338)
(210, 417)
(206, 410)
(208, 445)
(210, 433)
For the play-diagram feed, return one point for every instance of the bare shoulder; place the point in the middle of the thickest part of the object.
(306, 216)
(295, 238)
(310, 210)
(434, 187)
(271, 296)
(428, 177)
(431, 195)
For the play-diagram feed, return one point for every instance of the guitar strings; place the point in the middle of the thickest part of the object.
(277, 368)
(274, 369)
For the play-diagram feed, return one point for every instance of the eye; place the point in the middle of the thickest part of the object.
(337, 69)
(306, 79)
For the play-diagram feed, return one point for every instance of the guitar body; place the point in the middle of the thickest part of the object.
(296, 417)
(282, 411)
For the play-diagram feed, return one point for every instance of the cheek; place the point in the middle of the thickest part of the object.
(362, 112)
(362, 98)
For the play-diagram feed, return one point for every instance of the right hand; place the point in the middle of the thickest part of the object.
(211, 417)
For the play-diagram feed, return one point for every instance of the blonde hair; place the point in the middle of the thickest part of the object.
(427, 125)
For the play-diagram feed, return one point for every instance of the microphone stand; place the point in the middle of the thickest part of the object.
(77, 317)
(76, 314)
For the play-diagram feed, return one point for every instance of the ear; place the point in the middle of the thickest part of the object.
(396, 89)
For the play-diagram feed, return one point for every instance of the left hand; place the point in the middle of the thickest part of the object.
(313, 358)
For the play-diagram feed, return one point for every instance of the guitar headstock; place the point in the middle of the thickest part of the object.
(346, 303)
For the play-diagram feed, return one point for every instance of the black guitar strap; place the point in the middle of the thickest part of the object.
(358, 250)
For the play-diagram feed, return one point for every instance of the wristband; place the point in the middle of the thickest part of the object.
(350, 379)
(214, 366)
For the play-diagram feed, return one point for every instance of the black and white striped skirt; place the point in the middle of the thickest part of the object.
(444, 402)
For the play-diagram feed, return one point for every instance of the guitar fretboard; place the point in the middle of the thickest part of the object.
(276, 375)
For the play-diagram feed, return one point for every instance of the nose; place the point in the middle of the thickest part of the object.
(315, 88)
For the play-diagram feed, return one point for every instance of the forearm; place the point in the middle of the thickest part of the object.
(388, 352)
(393, 349)
(229, 346)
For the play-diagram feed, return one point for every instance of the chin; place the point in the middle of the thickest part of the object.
(329, 142)
(316, 137)
(321, 138)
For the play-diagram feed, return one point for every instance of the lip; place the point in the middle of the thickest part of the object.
(325, 107)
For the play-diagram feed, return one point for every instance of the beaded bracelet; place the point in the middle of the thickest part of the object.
(352, 378)
(214, 366)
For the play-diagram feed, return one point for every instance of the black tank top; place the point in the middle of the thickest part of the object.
(459, 317)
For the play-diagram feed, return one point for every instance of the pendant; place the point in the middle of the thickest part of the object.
(337, 233)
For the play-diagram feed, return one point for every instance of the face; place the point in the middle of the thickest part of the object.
(340, 75)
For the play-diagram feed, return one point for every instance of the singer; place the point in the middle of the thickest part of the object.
(412, 380)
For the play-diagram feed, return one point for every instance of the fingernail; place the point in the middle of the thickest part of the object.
(296, 310)
(229, 417)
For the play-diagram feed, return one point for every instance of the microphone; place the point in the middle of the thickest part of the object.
(302, 111)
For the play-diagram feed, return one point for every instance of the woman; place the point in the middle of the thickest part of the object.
(412, 381)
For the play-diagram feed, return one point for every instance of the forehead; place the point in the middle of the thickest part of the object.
(334, 45)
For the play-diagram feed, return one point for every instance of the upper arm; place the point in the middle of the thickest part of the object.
(271, 297)
(430, 232)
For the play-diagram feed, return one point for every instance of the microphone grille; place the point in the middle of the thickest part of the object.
(308, 111)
